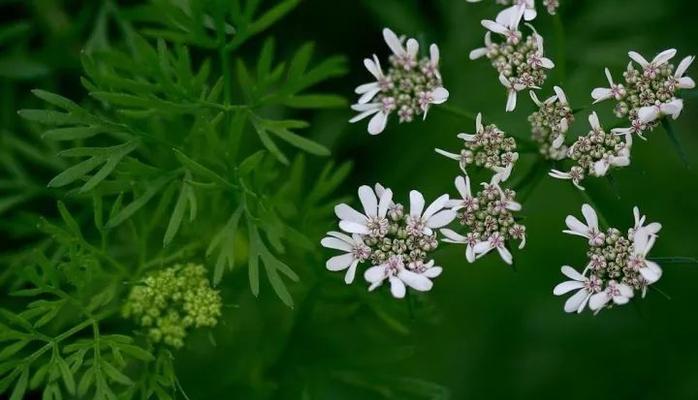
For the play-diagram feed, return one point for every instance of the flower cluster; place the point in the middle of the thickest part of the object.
(595, 153)
(649, 93)
(550, 124)
(617, 266)
(519, 60)
(551, 6)
(489, 147)
(169, 302)
(408, 87)
(488, 218)
(397, 243)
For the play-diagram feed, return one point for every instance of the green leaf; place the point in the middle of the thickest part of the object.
(138, 203)
(118, 153)
(316, 101)
(56, 100)
(85, 382)
(72, 133)
(115, 375)
(300, 61)
(21, 385)
(67, 375)
(49, 117)
(75, 172)
(274, 14)
(300, 142)
(199, 169)
(12, 349)
(69, 220)
(177, 214)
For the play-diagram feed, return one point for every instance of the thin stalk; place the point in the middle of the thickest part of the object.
(666, 124)
(560, 63)
(456, 111)
(599, 213)
(675, 260)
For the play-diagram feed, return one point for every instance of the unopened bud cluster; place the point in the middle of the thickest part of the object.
(488, 214)
(551, 6)
(169, 302)
(407, 85)
(519, 60)
(643, 89)
(549, 124)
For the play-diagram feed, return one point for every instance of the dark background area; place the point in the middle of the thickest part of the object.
(485, 330)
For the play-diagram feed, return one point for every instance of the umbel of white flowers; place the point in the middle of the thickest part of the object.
(408, 87)
(550, 123)
(488, 218)
(519, 60)
(595, 153)
(649, 93)
(395, 244)
(617, 265)
(489, 147)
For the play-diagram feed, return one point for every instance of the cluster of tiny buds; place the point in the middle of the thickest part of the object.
(550, 123)
(396, 243)
(617, 263)
(649, 93)
(408, 87)
(519, 60)
(489, 147)
(170, 301)
(595, 153)
(551, 6)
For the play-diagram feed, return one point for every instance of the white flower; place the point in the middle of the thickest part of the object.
(355, 250)
(575, 175)
(621, 159)
(513, 87)
(564, 124)
(680, 81)
(407, 56)
(394, 270)
(616, 91)
(586, 286)
(508, 28)
(538, 60)
(525, 7)
(482, 51)
(380, 112)
(590, 230)
(635, 127)
(437, 96)
(369, 90)
(652, 67)
(495, 241)
(620, 293)
(652, 228)
(467, 201)
(652, 113)
(470, 240)
(643, 240)
(421, 221)
(373, 222)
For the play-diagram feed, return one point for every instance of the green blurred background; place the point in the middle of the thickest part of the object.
(485, 330)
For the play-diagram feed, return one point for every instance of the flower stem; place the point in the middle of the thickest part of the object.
(456, 111)
(560, 62)
(666, 124)
(675, 260)
(590, 200)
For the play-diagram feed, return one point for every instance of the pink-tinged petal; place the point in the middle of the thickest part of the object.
(439, 95)
(598, 300)
(648, 114)
(560, 139)
(672, 108)
(638, 59)
(368, 200)
(433, 272)
(375, 274)
(366, 87)
(686, 83)
(649, 275)
(412, 47)
(415, 281)
(620, 300)
(594, 121)
(346, 213)
(547, 63)
(575, 301)
(566, 287)
(445, 153)
(435, 206)
(353, 227)
(683, 66)
(434, 54)
(334, 243)
(341, 236)
(466, 137)
(505, 254)
(373, 68)
(386, 199)
(534, 97)
(351, 272)
(664, 56)
(374, 107)
(576, 225)
(482, 248)
(441, 218)
(601, 167)
(470, 254)
(463, 186)
(511, 101)
(626, 290)
(377, 124)
(339, 263)
(416, 203)
(601, 94)
(363, 115)
(393, 42)
(397, 287)
(369, 95)
(530, 14)
(478, 53)
(560, 94)
(572, 273)
(452, 236)
(590, 216)
(494, 27)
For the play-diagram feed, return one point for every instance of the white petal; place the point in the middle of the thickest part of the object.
(572, 273)
(434, 54)
(601, 94)
(511, 101)
(445, 153)
(452, 236)
(686, 83)
(664, 56)
(338, 263)
(560, 94)
(377, 124)
(493, 26)
(415, 281)
(373, 68)
(334, 243)
(435, 206)
(572, 304)
(346, 213)
(482, 248)
(363, 115)
(368, 200)
(547, 63)
(393, 42)
(648, 114)
(341, 236)
(683, 66)
(351, 272)
(375, 274)
(386, 199)
(590, 217)
(463, 186)
(441, 218)
(598, 300)
(416, 203)
(368, 96)
(505, 254)
(576, 225)
(566, 287)
(433, 272)
(470, 254)
(594, 121)
(397, 288)
(439, 95)
(477, 53)
(640, 60)
(412, 47)
(353, 227)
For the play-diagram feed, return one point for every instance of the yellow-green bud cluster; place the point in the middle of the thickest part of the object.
(642, 89)
(547, 124)
(169, 302)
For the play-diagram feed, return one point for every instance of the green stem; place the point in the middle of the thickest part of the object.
(227, 78)
(675, 260)
(560, 62)
(456, 111)
(592, 203)
(666, 124)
